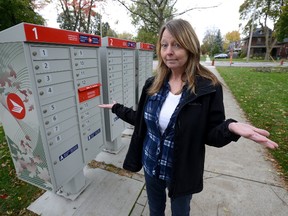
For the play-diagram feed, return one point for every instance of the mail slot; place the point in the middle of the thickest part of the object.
(89, 92)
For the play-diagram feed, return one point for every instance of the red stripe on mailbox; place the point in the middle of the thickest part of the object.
(146, 46)
(42, 34)
(120, 43)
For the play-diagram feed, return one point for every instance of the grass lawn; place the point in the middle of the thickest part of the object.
(264, 99)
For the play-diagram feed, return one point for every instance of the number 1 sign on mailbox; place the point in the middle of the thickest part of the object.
(50, 83)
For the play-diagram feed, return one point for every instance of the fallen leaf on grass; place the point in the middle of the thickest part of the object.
(3, 196)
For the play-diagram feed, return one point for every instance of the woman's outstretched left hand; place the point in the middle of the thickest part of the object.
(255, 134)
(107, 106)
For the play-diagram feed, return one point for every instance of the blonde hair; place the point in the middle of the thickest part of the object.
(183, 33)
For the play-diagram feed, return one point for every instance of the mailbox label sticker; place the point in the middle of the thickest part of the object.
(94, 134)
(67, 153)
(16, 106)
(88, 39)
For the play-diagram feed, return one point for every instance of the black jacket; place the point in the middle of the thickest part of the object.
(201, 120)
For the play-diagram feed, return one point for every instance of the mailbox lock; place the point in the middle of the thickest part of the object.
(39, 80)
(49, 133)
(47, 122)
(86, 149)
(76, 64)
(34, 53)
(37, 67)
(55, 162)
(41, 93)
(44, 111)
(51, 143)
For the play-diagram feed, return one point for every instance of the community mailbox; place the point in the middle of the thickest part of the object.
(49, 92)
(118, 75)
(144, 65)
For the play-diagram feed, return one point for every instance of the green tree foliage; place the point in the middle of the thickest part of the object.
(78, 15)
(102, 29)
(107, 31)
(282, 24)
(229, 38)
(218, 43)
(146, 36)
(149, 15)
(212, 42)
(13, 12)
(265, 11)
(126, 36)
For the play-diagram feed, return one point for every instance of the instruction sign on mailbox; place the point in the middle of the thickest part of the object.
(50, 86)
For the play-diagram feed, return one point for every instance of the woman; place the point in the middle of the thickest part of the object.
(180, 110)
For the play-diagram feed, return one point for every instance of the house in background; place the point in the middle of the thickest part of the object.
(258, 48)
(283, 51)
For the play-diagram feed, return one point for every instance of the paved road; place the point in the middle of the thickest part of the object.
(244, 63)
(208, 62)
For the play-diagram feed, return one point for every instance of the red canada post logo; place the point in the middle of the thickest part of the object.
(16, 106)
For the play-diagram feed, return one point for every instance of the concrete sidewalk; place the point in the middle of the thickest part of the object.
(239, 180)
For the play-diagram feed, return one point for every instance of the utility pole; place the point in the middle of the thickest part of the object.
(251, 33)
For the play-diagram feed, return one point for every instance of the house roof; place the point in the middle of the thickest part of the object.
(258, 33)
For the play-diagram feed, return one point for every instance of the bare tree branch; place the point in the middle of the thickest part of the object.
(196, 8)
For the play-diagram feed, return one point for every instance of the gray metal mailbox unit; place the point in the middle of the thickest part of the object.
(144, 65)
(49, 92)
(118, 75)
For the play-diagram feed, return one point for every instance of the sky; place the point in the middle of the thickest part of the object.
(224, 17)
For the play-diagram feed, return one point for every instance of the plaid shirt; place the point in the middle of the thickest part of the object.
(158, 148)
